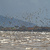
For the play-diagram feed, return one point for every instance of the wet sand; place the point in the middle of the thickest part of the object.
(16, 40)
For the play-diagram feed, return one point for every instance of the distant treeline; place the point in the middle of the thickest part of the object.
(23, 28)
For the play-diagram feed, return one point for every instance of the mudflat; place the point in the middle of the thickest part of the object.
(18, 40)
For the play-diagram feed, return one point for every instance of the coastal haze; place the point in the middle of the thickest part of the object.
(16, 40)
(24, 24)
(27, 8)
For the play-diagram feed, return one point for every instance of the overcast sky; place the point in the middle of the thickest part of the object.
(22, 8)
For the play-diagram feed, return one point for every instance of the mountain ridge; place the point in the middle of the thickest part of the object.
(11, 22)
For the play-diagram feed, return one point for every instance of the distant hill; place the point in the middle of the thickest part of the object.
(11, 22)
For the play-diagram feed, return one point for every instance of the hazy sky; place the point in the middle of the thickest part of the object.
(22, 8)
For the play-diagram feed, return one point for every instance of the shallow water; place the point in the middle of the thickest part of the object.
(16, 40)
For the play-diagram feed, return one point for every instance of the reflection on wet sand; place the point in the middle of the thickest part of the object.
(15, 40)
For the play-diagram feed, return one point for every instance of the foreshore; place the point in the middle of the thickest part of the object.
(24, 40)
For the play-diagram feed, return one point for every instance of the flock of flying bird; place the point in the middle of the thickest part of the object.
(29, 17)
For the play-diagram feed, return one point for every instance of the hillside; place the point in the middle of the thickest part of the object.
(11, 22)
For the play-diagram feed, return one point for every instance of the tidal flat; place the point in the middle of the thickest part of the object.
(20, 40)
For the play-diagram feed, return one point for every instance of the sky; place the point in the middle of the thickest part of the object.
(20, 9)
